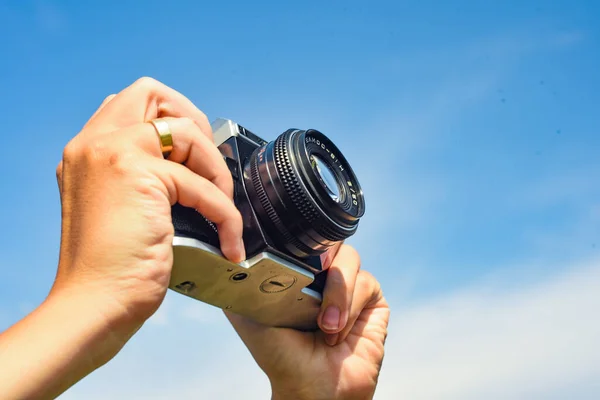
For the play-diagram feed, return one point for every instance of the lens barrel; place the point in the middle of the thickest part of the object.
(304, 192)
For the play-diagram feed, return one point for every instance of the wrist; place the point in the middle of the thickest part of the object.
(283, 393)
(113, 320)
(285, 396)
(101, 322)
(314, 391)
(67, 337)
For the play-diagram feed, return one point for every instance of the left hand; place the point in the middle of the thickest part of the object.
(116, 252)
(343, 360)
(117, 189)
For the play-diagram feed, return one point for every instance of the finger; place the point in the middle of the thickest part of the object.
(191, 190)
(367, 294)
(190, 147)
(328, 257)
(339, 289)
(104, 103)
(144, 100)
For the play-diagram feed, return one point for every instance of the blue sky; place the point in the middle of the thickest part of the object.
(473, 128)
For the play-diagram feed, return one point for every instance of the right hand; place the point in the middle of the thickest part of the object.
(343, 359)
(117, 191)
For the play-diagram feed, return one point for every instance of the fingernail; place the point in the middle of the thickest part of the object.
(331, 318)
(331, 339)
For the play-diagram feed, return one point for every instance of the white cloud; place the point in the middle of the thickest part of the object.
(486, 343)
(489, 341)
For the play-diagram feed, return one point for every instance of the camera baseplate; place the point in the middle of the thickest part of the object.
(274, 291)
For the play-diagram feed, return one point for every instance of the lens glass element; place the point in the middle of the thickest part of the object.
(327, 177)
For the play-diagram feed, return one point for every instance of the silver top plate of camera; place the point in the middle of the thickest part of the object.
(223, 129)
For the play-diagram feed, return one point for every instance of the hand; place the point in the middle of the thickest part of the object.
(343, 359)
(117, 190)
(115, 262)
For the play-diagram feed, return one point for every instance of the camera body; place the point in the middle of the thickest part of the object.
(298, 198)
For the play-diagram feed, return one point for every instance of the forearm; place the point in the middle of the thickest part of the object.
(54, 347)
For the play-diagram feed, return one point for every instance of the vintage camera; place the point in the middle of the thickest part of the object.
(298, 197)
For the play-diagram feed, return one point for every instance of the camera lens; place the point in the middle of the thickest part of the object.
(304, 192)
(326, 177)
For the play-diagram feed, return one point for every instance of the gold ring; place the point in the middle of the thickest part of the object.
(164, 135)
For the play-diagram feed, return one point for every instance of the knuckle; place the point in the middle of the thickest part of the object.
(70, 151)
(206, 121)
(237, 217)
(232, 217)
(188, 124)
(95, 150)
(108, 153)
(59, 170)
(366, 276)
(223, 179)
(383, 300)
(352, 253)
(121, 161)
(366, 281)
(147, 83)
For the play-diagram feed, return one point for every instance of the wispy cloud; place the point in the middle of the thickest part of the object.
(488, 341)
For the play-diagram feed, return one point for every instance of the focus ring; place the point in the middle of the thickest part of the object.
(332, 234)
(294, 189)
(272, 215)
